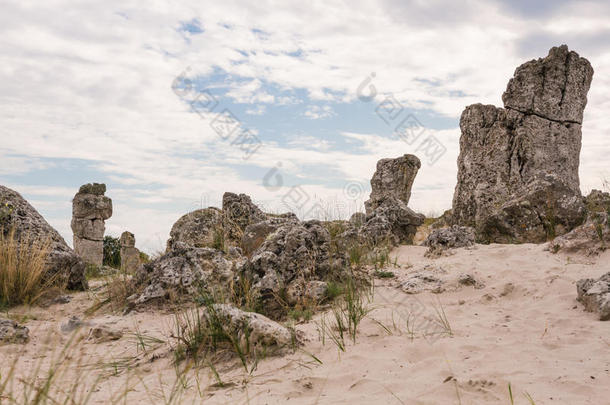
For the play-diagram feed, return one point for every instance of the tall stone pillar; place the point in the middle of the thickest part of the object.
(90, 208)
(130, 255)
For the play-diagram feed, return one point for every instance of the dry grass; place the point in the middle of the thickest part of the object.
(22, 269)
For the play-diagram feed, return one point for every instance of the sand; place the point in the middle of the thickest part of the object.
(522, 325)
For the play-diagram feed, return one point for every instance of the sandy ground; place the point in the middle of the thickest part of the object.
(521, 325)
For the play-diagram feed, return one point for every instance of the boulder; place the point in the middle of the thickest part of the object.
(130, 255)
(393, 179)
(184, 270)
(293, 253)
(11, 332)
(197, 228)
(62, 263)
(239, 211)
(594, 294)
(448, 238)
(391, 222)
(90, 208)
(254, 331)
(518, 165)
(593, 236)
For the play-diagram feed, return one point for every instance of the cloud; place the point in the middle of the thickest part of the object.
(316, 112)
(90, 85)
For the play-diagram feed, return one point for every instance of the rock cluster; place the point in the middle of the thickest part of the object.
(283, 261)
(90, 208)
(61, 263)
(518, 165)
(130, 255)
(594, 294)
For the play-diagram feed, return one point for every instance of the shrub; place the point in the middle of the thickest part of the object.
(144, 258)
(112, 252)
(22, 269)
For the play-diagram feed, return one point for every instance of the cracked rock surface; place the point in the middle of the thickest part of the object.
(518, 165)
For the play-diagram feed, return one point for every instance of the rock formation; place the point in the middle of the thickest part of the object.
(184, 270)
(209, 227)
(595, 295)
(238, 212)
(196, 228)
(16, 213)
(518, 165)
(392, 222)
(90, 208)
(388, 218)
(130, 255)
(292, 255)
(393, 178)
(255, 234)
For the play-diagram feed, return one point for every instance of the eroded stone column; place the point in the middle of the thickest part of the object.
(90, 208)
(130, 255)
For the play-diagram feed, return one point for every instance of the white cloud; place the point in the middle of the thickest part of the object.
(316, 112)
(92, 82)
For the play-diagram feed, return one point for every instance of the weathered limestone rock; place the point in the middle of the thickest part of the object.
(211, 227)
(595, 295)
(11, 332)
(593, 236)
(130, 255)
(196, 228)
(16, 213)
(449, 238)
(391, 222)
(388, 219)
(183, 270)
(90, 208)
(254, 331)
(293, 253)
(255, 234)
(393, 178)
(239, 211)
(518, 165)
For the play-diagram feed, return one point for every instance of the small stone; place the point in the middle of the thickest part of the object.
(11, 332)
(594, 294)
(72, 324)
(102, 333)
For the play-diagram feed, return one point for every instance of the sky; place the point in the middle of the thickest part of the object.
(290, 102)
